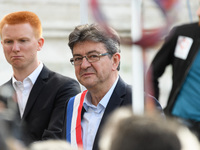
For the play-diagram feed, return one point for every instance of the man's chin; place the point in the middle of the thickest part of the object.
(88, 84)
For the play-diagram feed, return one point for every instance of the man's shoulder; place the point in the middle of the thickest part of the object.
(188, 27)
(189, 30)
(6, 84)
(48, 73)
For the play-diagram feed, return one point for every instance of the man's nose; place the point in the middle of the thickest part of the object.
(16, 46)
(85, 63)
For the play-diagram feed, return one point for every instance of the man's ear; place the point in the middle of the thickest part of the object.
(116, 60)
(40, 43)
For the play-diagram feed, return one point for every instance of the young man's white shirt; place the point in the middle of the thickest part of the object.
(23, 89)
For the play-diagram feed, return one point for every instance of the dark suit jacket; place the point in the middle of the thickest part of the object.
(121, 96)
(44, 113)
(180, 67)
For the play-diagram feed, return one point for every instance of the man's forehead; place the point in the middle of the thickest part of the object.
(88, 47)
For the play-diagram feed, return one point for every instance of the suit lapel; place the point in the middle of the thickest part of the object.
(114, 102)
(37, 88)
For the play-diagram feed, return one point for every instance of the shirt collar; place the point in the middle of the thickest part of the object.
(32, 77)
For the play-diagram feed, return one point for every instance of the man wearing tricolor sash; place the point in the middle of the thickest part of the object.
(96, 59)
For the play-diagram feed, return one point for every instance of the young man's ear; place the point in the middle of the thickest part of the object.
(40, 43)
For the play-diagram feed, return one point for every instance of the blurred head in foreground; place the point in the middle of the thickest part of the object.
(126, 131)
(51, 145)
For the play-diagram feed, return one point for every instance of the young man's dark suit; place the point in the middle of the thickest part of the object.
(44, 113)
(121, 96)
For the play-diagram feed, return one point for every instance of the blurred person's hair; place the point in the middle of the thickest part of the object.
(126, 131)
(51, 145)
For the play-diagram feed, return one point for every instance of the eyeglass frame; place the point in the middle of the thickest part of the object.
(99, 55)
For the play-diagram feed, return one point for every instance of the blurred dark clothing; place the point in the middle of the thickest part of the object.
(167, 55)
(44, 112)
(180, 67)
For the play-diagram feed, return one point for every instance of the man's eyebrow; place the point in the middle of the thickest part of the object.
(77, 55)
(7, 38)
(93, 51)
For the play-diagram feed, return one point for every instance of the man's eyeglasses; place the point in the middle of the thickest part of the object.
(93, 57)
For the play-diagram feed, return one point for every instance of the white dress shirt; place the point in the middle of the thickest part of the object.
(92, 117)
(23, 89)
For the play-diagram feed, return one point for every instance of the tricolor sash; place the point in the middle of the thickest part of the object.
(73, 125)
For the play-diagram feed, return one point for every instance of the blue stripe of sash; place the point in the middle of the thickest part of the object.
(70, 107)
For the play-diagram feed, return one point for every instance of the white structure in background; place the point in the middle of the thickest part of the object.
(59, 17)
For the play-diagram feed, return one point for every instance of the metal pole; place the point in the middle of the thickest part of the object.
(84, 11)
(189, 11)
(137, 60)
